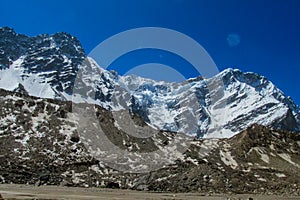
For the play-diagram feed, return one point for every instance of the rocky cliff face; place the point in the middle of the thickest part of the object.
(40, 144)
(53, 59)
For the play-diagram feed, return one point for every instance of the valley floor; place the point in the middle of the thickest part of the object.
(14, 191)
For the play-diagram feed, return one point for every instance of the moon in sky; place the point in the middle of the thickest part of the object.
(233, 40)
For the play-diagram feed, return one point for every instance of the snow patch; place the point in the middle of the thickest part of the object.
(287, 157)
(227, 159)
(280, 175)
(10, 79)
(263, 156)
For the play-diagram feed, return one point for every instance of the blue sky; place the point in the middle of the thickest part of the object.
(262, 36)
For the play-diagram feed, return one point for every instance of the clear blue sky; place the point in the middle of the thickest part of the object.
(268, 30)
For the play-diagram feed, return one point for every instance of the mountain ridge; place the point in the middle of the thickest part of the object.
(56, 66)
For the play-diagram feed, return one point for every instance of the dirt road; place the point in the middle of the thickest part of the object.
(13, 191)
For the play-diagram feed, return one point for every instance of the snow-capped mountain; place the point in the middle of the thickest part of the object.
(55, 66)
(42, 142)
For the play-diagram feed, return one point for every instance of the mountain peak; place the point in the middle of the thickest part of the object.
(7, 29)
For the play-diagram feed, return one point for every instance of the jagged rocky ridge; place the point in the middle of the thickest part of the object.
(56, 66)
(40, 145)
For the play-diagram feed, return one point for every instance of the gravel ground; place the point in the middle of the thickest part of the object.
(13, 191)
